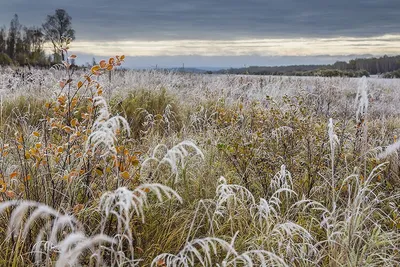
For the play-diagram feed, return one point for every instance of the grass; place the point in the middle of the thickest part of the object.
(166, 169)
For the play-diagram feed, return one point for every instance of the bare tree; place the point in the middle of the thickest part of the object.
(58, 29)
(13, 36)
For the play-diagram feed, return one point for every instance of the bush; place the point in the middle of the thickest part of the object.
(5, 60)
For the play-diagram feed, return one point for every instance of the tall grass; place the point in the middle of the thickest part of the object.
(167, 169)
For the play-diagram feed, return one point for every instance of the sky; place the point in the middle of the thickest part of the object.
(222, 33)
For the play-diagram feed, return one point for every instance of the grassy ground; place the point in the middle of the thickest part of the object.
(169, 169)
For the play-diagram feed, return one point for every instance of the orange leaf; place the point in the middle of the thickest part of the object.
(146, 190)
(10, 194)
(67, 129)
(161, 263)
(103, 64)
(62, 99)
(122, 57)
(74, 122)
(28, 177)
(80, 83)
(110, 67)
(78, 208)
(72, 56)
(111, 61)
(13, 174)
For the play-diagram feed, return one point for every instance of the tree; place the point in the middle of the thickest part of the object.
(3, 40)
(58, 30)
(13, 36)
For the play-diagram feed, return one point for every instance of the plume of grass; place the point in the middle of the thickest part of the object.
(124, 203)
(174, 157)
(333, 141)
(361, 100)
(204, 251)
(104, 129)
(282, 179)
(231, 196)
(69, 248)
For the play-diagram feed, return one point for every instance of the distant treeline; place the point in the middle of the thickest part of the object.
(24, 46)
(389, 66)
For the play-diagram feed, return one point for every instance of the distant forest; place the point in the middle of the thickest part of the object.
(387, 66)
(24, 46)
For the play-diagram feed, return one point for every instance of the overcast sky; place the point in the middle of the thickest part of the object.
(223, 33)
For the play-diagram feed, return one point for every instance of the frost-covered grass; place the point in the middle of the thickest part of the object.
(168, 169)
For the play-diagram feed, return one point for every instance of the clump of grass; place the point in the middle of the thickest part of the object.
(149, 111)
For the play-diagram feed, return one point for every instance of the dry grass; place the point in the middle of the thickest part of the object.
(166, 169)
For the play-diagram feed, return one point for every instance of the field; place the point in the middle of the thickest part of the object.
(153, 168)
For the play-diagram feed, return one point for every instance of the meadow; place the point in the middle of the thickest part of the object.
(151, 168)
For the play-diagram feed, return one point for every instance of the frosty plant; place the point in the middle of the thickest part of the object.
(173, 158)
(69, 248)
(204, 251)
(333, 142)
(105, 129)
(361, 103)
(77, 190)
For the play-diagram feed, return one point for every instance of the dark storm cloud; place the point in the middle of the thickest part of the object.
(214, 19)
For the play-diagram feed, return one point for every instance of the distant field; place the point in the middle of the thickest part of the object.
(152, 168)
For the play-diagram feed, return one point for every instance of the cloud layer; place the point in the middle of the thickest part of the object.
(223, 28)
(215, 19)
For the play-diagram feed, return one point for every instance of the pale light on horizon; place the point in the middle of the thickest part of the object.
(379, 45)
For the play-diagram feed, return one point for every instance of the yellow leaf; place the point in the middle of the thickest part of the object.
(3, 187)
(134, 161)
(110, 67)
(125, 175)
(80, 83)
(74, 122)
(99, 92)
(95, 69)
(38, 145)
(122, 57)
(99, 171)
(36, 134)
(111, 61)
